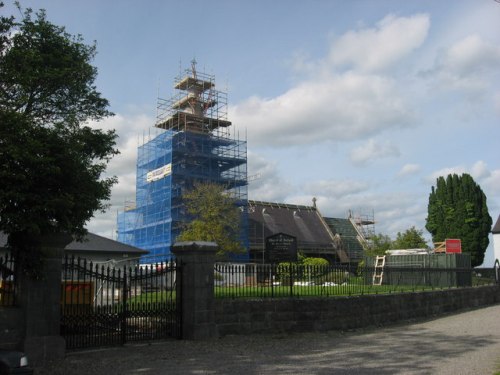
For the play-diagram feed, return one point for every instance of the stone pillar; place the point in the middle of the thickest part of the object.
(197, 261)
(41, 302)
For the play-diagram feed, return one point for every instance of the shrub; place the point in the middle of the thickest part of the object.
(285, 271)
(333, 276)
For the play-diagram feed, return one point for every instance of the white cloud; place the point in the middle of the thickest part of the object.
(393, 211)
(491, 188)
(409, 169)
(431, 179)
(373, 49)
(333, 103)
(496, 102)
(346, 107)
(492, 181)
(123, 166)
(471, 55)
(372, 150)
(268, 185)
(127, 127)
(479, 171)
(301, 63)
(467, 65)
(336, 189)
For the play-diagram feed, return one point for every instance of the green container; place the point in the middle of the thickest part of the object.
(431, 270)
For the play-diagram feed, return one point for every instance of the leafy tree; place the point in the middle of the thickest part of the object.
(215, 218)
(379, 244)
(457, 209)
(51, 163)
(412, 238)
(45, 73)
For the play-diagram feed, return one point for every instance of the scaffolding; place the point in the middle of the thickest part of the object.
(194, 145)
(195, 107)
(364, 224)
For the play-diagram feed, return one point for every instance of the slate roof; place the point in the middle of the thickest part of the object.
(496, 227)
(303, 222)
(93, 243)
(349, 236)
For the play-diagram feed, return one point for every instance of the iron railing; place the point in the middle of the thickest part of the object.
(104, 305)
(486, 276)
(298, 280)
(7, 281)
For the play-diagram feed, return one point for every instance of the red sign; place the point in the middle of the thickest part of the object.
(453, 246)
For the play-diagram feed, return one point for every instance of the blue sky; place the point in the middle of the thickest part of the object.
(360, 103)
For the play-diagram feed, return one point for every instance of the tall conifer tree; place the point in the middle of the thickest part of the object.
(457, 209)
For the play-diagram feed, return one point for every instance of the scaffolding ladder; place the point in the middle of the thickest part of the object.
(378, 272)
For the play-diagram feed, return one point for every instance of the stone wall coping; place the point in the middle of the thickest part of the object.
(179, 247)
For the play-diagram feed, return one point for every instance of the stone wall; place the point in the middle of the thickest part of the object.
(11, 327)
(246, 316)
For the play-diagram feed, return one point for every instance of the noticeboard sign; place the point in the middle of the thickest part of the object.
(453, 246)
(281, 247)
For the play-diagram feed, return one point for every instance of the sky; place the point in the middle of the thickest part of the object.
(361, 104)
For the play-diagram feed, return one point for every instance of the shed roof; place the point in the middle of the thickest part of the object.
(93, 243)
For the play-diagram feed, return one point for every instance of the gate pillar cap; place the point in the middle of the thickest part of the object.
(180, 247)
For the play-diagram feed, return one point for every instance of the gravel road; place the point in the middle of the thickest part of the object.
(466, 343)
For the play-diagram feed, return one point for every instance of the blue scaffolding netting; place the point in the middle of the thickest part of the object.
(192, 147)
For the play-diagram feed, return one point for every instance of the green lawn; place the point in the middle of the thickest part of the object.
(277, 292)
(152, 298)
(311, 291)
(355, 286)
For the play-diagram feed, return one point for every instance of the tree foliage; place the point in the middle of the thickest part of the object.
(457, 209)
(51, 162)
(378, 245)
(215, 218)
(45, 73)
(412, 238)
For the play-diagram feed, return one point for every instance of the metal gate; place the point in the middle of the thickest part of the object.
(102, 305)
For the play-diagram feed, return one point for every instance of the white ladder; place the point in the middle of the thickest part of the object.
(378, 272)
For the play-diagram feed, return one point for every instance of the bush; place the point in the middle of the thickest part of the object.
(315, 262)
(333, 276)
(316, 270)
(285, 272)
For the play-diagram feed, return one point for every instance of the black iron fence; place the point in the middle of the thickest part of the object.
(298, 280)
(107, 305)
(486, 276)
(7, 280)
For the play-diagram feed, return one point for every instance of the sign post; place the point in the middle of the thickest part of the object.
(282, 247)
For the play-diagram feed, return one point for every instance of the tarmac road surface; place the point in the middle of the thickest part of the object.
(465, 343)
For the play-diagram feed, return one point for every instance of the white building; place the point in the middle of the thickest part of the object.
(496, 239)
